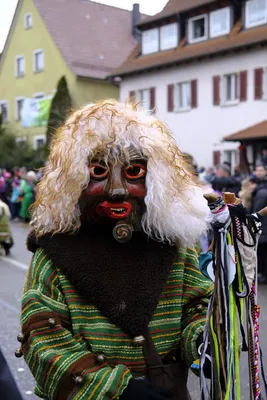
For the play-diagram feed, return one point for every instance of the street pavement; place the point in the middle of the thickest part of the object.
(13, 270)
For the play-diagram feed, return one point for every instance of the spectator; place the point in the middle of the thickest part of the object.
(16, 198)
(28, 196)
(259, 201)
(6, 240)
(261, 173)
(224, 182)
(264, 156)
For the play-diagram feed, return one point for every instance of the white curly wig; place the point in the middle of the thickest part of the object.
(175, 208)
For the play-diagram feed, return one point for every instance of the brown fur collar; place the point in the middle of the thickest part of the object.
(124, 281)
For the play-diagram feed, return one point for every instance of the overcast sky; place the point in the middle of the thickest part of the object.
(7, 8)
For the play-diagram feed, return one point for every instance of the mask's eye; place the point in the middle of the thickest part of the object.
(98, 171)
(135, 171)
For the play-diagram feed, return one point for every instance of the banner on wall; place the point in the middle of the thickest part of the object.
(35, 112)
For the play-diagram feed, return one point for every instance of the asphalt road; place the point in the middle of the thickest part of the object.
(12, 275)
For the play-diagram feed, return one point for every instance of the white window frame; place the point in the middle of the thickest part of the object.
(154, 50)
(190, 28)
(177, 106)
(19, 56)
(35, 70)
(251, 25)
(25, 20)
(38, 95)
(35, 140)
(228, 28)
(7, 108)
(223, 89)
(16, 107)
(140, 98)
(175, 44)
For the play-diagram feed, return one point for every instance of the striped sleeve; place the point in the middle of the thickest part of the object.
(197, 290)
(53, 354)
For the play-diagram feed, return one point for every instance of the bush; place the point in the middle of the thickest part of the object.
(18, 154)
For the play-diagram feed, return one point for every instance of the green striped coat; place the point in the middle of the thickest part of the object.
(64, 335)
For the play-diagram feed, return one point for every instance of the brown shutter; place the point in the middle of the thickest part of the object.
(132, 96)
(216, 90)
(170, 98)
(194, 93)
(258, 83)
(243, 85)
(216, 158)
(152, 98)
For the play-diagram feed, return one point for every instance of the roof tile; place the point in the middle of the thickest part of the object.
(93, 38)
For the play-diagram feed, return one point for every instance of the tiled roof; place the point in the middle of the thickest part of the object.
(184, 52)
(175, 7)
(253, 132)
(93, 38)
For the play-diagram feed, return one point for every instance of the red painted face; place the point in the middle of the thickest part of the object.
(115, 192)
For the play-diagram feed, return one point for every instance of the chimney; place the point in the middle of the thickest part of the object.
(135, 20)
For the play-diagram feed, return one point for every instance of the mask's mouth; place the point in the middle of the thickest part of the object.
(114, 210)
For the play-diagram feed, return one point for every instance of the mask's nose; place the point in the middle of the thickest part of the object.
(116, 188)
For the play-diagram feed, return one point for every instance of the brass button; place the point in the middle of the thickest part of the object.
(138, 341)
(52, 322)
(19, 353)
(100, 358)
(78, 380)
(21, 337)
(199, 308)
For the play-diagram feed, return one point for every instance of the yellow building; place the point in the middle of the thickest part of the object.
(79, 39)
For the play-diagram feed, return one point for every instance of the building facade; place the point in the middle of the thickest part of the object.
(203, 66)
(54, 38)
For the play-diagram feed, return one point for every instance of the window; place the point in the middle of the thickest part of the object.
(220, 22)
(182, 96)
(4, 110)
(198, 28)
(39, 141)
(169, 36)
(147, 98)
(38, 61)
(256, 13)
(231, 88)
(28, 21)
(150, 41)
(143, 96)
(19, 105)
(20, 66)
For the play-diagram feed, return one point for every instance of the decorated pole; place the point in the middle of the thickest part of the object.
(233, 311)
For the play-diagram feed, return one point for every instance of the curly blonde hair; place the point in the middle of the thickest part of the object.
(175, 208)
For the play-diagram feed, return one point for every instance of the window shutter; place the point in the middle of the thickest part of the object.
(216, 158)
(152, 98)
(258, 83)
(132, 96)
(194, 93)
(243, 85)
(216, 90)
(170, 98)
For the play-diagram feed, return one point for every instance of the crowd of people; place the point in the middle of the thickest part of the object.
(253, 192)
(17, 194)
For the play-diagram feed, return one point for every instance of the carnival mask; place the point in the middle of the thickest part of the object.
(115, 194)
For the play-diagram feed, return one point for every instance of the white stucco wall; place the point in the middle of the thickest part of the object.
(200, 131)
